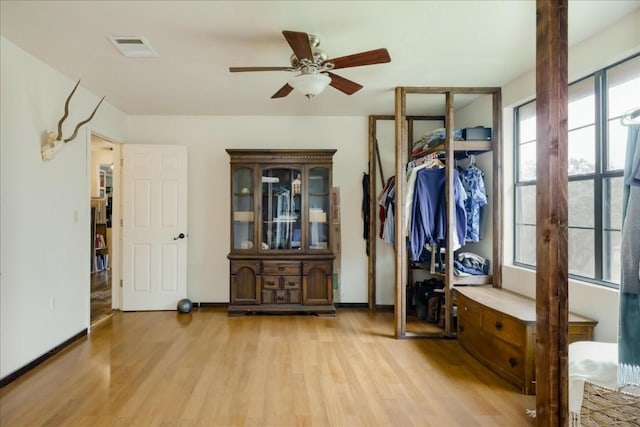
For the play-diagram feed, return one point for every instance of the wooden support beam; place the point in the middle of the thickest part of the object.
(497, 189)
(451, 212)
(551, 214)
(374, 156)
(401, 245)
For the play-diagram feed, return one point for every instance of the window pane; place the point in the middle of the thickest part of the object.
(581, 252)
(527, 123)
(612, 203)
(526, 244)
(582, 151)
(617, 145)
(624, 87)
(527, 162)
(611, 266)
(581, 199)
(526, 204)
(582, 104)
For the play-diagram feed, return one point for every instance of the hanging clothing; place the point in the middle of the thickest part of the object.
(429, 213)
(389, 231)
(412, 171)
(629, 321)
(385, 198)
(473, 182)
(366, 217)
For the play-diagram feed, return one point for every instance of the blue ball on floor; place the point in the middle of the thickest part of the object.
(185, 305)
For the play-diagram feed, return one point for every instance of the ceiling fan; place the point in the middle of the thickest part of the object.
(314, 67)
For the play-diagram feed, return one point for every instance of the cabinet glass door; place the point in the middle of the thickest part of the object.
(319, 185)
(281, 209)
(242, 208)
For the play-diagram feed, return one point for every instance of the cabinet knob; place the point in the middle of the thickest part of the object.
(498, 325)
(513, 361)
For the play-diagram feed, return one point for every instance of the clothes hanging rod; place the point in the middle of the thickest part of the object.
(631, 117)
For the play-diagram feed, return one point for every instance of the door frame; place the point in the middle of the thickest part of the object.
(115, 246)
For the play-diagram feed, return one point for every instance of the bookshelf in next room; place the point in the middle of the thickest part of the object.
(99, 236)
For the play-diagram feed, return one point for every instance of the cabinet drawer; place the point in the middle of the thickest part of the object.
(507, 360)
(281, 268)
(239, 265)
(291, 282)
(469, 310)
(504, 327)
(281, 282)
(281, 296)
(270, 282)
(503, 358)
(469, 336)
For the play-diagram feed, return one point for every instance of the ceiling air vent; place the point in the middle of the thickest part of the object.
(133, 47)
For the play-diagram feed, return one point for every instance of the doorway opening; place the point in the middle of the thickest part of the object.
(103, 240)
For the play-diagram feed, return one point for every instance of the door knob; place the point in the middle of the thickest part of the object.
(180, 236)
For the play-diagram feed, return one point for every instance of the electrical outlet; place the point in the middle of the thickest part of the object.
(52, 303)
(75, 216)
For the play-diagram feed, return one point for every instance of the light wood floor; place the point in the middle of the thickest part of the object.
(205, 369)
(100, 295)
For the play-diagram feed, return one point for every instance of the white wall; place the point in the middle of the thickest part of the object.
(614, 44)
(206, 139)
(44, 208)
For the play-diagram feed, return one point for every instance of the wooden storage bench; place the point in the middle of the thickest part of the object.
(498, 328)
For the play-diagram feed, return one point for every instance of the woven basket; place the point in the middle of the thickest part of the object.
(605, 407)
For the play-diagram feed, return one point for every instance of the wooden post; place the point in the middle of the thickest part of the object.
(551, 214)
(401, 245)
(497, 188)
(374, 156)
(451, 211)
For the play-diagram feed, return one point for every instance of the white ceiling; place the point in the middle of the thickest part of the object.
(431, 43)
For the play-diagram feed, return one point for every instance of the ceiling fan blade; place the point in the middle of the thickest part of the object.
(377, 56)
(344, 85)
(299, 43)
(241, 69)
(283, 91)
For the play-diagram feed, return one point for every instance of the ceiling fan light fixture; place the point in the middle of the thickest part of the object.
(310, 84)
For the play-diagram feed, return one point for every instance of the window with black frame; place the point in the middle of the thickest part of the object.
(596, 156)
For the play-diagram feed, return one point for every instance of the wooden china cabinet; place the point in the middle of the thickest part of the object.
(281, 258)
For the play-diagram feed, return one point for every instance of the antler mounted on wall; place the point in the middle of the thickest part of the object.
(54, 141)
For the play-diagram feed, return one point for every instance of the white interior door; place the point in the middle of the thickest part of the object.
(154, 213)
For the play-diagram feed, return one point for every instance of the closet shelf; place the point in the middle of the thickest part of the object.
(468, 145)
